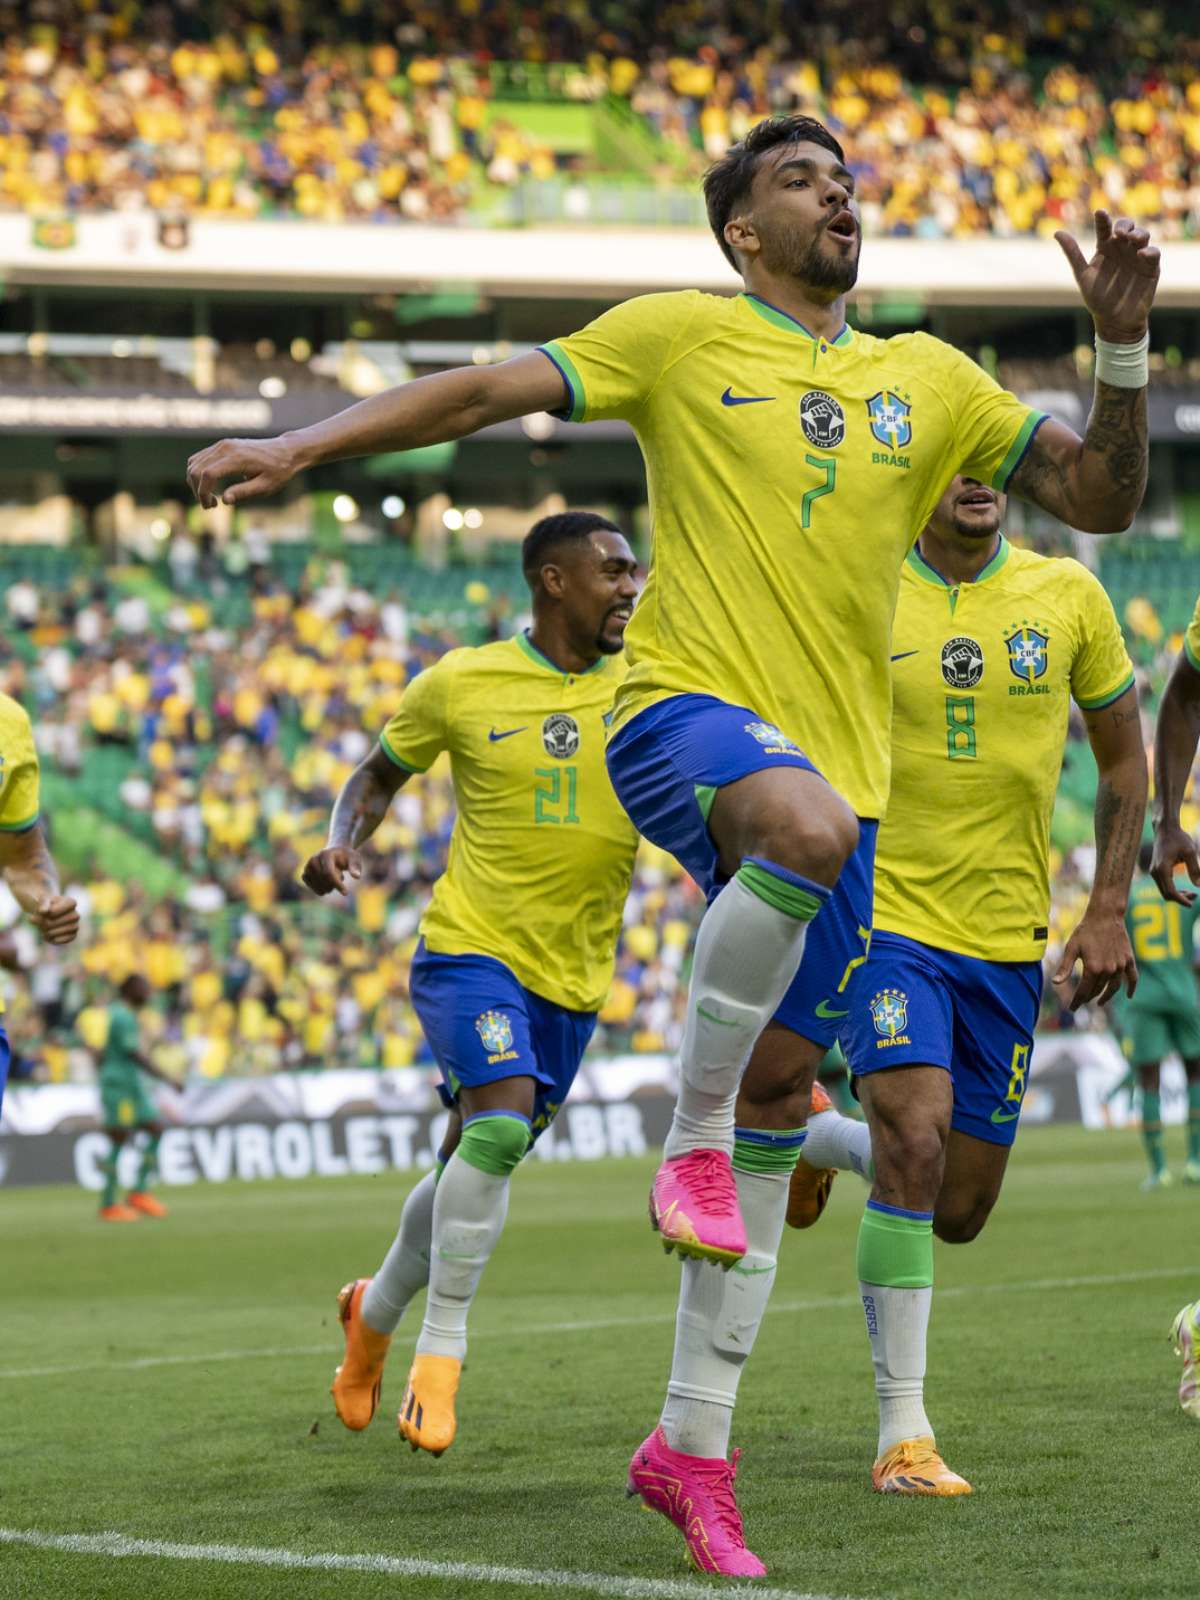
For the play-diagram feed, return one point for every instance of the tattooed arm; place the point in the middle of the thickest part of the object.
(1096, 483)
(1175, 739)
(357, 812)
(30, 873)
(1100, 941)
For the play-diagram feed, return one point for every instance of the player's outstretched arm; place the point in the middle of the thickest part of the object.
(357, 812)
(1175, 738)
(1096, 483)
(1100, 941)
(446, 405)
(30, 873)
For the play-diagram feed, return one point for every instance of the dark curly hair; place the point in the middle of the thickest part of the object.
(727, 182)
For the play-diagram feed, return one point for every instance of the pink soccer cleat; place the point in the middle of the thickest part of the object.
(696, 1494)
(694, 1206)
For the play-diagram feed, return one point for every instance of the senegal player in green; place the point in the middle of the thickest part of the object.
(128, 1108)
(791, 463)
(517, 944)
(1163, 1018)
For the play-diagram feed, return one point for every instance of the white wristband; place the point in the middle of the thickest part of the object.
(1125, 366)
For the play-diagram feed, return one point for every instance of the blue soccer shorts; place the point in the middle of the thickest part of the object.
(918, 1006)
(5, 1058)
(483, 1025)
(666, 765)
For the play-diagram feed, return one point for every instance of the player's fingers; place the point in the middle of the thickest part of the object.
(1131, 978)
(1070, 956)
(1151, 257)
(355, 867)
(247, 489)
(1070, 248)
(1104, 226)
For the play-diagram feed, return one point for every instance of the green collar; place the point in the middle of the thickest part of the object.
(784, 320)
(536, 656)
(926, 570)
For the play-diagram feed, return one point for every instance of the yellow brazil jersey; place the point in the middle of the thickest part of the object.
(541, 853)
(983, 675)
(1191, 639)
(18, 772)
(788, 476)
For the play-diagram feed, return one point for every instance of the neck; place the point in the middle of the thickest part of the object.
(958, 559)
(823, 318)
(549, 635)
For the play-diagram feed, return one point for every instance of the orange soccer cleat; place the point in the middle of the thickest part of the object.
(148, 1204)
(117, 1213)
(426, 1416)
(808, 1192)
(358, 1382)
(914, 1467)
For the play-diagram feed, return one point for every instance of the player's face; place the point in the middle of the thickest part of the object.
(970, 509)
(600, 589)
(805, 218)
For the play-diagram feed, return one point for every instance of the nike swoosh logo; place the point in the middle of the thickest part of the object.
(731, 399)
(904, 655)
(494, 737)
(1005, 1116)
(749, 1272)
(709, 1017)
(823, 1010)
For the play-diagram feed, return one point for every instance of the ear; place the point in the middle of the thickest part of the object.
(553, 580)
(741, 237)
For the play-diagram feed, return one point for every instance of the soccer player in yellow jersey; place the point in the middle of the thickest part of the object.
(791, 462)
(25, 861)
(518, 942)
(990, 645)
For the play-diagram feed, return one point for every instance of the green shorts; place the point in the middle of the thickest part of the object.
(1151, 1035)
(125, 1103)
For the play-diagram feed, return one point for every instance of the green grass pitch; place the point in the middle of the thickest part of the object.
(1052, 1386)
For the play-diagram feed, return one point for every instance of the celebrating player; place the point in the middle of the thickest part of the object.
(128, 1108)
(518, 943)
(25, 860)
(989, 645)
(790, 462)
(1163, 1016)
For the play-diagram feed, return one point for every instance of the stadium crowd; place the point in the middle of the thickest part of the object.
(217, 749)
(960, 120)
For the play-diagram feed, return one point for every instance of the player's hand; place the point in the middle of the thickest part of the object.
(1102, 945)
(56, 919)
(1119, 282)
(260, 465)
(330, 868)
(1174, 848)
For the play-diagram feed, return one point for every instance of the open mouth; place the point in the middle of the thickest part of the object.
(624, 612)
(977, 499)
(843, 226)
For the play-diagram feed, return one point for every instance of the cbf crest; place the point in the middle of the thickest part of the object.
(773, 740)
(1028, 652)
(889, 1012)
(495, 1030)
(890, 418)
(560, 735)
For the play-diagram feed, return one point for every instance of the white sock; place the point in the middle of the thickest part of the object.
(405, 1269)
(468, 1219)
(841, 1142)
(897, 1322)
(747, 954)
(717, 1322)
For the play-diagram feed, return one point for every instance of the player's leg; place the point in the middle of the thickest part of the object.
(974, 1173)
(118, 1107)
(1148, 1072)
(139, 1197)
(369, 1309)
(740, 806)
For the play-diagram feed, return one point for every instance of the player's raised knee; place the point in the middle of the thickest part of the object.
(810, 831)
(960, 1221)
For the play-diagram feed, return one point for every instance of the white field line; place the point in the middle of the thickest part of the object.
(570, 1583)
(650, 1319)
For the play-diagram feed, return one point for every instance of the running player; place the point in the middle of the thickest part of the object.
(1163, 1015)
(518, 942)
(129, 1109)
(990, 644)
(1175, 737)
(791, 462)
(25, 860)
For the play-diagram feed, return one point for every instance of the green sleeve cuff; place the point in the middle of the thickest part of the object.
(396, 760)
(573, 411)
(20, 827)
(1106, 699)
(1016, 451)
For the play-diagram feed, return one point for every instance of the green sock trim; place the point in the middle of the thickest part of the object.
(772, 1154)
(786, 897)
(149, 1163)
(895, 1252)
(494, 1142)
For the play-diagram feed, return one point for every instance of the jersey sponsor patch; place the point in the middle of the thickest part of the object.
(822, 419)
(962, 662)
(560, 735)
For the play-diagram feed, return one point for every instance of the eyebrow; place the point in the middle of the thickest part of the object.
(805, 164)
